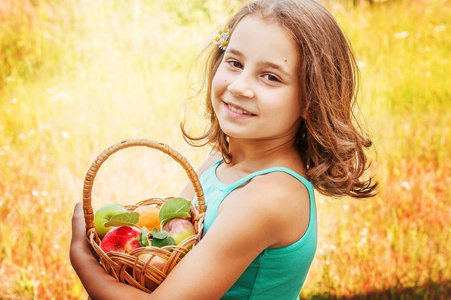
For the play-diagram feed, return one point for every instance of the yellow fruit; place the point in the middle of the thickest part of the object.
(148, 216)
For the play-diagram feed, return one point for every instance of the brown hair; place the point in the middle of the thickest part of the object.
(329, 138)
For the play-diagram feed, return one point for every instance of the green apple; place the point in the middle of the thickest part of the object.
(104, 214)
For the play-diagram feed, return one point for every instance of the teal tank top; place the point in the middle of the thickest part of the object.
(276, 273)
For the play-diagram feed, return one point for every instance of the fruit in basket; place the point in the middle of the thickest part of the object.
(104, 215)
(179, 229)
(148, 216)
(121, 239)
(156, 262)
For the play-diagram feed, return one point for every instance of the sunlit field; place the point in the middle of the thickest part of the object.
(79, 76)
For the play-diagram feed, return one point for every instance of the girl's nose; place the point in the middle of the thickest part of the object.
(241, 87)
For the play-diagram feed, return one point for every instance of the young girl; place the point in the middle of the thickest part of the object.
(281, 86)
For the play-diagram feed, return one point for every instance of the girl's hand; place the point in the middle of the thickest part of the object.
(98, 283)
(79, 246)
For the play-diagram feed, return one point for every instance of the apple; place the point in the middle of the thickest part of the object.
(179, 229)
(156, 262)
(104, 214)
(121, 239)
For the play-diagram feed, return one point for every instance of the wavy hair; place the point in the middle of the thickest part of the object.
(331, 142)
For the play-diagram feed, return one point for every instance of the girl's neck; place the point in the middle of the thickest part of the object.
(252, 156)
(255, 155)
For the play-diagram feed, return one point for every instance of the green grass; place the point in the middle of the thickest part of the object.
(78, 76)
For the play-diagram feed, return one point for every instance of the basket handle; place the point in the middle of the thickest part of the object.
(95, 166)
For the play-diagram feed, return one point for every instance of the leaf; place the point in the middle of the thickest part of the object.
(169, 241)
(174, 208)
(123, 219)
(161, 238)
(143, 238)
(159, 234)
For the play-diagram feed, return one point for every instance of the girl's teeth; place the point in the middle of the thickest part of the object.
(238, 111)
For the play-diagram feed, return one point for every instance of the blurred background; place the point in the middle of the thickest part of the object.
(79, 76)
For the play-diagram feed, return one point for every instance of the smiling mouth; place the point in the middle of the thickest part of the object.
(238, 110)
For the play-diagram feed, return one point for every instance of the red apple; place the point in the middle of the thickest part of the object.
(179, 229)
(121, 239)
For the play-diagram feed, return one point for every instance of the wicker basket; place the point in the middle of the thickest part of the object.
(129, 268)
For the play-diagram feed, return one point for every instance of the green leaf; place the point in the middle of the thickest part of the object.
(174, 208)
(161, 238)
(159, 234)
(163, 242)
(144, 237)
(123, 219)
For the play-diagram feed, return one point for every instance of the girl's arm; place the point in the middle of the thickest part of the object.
(270, 211)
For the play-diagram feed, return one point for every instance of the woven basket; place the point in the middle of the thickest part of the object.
(129, 268)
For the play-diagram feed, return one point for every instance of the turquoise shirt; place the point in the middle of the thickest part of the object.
(276, 273)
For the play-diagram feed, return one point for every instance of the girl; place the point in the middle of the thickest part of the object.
(280, 91)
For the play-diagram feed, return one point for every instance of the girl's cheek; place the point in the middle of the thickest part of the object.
(220, 80)
(215, 87)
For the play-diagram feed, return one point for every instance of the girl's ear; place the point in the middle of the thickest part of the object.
(301, 121)
(303, 115)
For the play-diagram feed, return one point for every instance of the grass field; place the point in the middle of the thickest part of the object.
(78, 76)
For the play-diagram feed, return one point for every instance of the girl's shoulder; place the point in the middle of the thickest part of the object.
(279, 199)
(278, 186)
(211, 159)
(188, 191)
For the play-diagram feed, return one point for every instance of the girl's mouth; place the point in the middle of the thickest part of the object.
(238, 110)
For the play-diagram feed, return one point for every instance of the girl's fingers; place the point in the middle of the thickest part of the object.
(78, 222)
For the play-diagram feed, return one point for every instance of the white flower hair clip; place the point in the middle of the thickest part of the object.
(222, 40)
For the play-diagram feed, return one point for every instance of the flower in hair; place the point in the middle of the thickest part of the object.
(222, 39)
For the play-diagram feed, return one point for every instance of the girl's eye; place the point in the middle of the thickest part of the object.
(234, 64)
(271, 77)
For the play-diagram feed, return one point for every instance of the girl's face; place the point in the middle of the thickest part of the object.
(255, 92)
